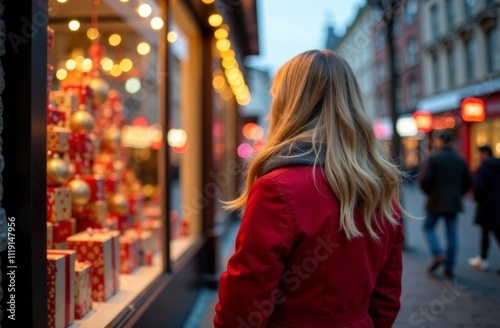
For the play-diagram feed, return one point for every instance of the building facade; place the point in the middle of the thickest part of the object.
(461, 59)
(357, 47)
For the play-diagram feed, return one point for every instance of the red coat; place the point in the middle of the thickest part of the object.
(293, 268)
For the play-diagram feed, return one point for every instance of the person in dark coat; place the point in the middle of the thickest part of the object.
(445, 179)
(487, 196)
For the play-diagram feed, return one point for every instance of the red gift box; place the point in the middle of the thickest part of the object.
(58, 204)
(129, 254)
(136, 202)
(81, 143)
(123, 221)
(154, 227)
(96, 184)
(55, 117)
(83, 289)
(63, 229)
(111, 184)
(102, 249)
(145, 244)
(82, 165)
(60, 288)
(58, 139)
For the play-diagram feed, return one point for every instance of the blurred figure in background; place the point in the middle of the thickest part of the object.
(487, 196)
(445, 179)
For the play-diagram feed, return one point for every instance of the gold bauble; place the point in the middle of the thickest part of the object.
(119, 204)
(81, 120)
(111, 139)
(100, 91)
(57, 172)
(80, 191)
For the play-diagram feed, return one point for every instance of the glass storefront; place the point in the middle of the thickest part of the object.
(484, 133)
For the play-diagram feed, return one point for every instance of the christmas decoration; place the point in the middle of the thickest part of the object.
(80, 191)
(57, 171)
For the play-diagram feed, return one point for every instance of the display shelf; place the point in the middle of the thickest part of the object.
(131, 286)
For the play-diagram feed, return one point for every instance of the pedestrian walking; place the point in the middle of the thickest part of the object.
(487, 196)
(445, 179)
(320, 242)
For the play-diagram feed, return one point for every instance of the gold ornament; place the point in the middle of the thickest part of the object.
(81, 120)
(100, 91)
(119, 204)
(80, 191)
(57, 172)
(111, 138)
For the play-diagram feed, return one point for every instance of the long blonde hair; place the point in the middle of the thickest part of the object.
(316, 99)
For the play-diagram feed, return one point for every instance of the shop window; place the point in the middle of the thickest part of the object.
(484, 133)
(188, 197)
(411, 11)
(493, 52)
(105, 137)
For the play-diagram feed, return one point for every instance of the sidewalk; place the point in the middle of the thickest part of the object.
(472, 300)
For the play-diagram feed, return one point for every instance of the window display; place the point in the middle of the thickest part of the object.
(104, 217)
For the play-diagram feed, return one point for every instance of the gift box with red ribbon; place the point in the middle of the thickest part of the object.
(129, 253)
(60, 288)
(154, 227)
(58, 139)
(55, 117)
(58, 204)
(83, 289)
(62, 230)
(81, 143)
(102, 249)
(97, 186)
(145, 244)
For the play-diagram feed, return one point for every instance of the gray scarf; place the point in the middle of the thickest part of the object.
(300, 157)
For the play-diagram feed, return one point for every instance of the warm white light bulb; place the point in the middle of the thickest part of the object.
(144, 10)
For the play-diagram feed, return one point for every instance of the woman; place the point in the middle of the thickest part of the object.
(320, 242)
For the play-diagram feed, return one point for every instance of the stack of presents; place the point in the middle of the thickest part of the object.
(96, 226)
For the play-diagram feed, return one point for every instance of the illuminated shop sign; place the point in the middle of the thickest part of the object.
(423, 120)
(473, 110)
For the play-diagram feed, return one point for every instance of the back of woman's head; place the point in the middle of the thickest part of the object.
(316, 99)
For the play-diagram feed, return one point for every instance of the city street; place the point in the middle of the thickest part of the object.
(472, 300)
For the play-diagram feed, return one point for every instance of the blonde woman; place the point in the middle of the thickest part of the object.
(320, 242)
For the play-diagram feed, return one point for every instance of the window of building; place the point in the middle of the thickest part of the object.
(469, 8)
(450, 15)
(398, 63)
(435, 72)
(399, 99)
(411, 11)
(380, 72)
(380, 39)
(450, 57)
(412, 92)
(396, 29)
(411, 52)
(493, 52)
(435, 22)
(470, 54)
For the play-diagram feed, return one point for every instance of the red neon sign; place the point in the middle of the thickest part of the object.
(423, 120)
(473, 110)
